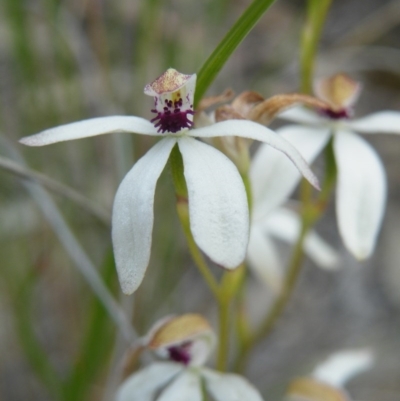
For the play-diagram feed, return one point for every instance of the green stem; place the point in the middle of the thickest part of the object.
(33, 349)
(183, 213)
(228, 45)
(223, 341)
(311, 213)
(280, 303)
(316, 15)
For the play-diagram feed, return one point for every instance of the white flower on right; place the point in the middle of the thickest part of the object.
(328, 380)
(271, 188)
(361, 187)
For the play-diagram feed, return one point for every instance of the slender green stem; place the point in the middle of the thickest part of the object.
(316, 15)
(280, 303)
(33, 350)
(73, 248)
(201, 264)
(311, 213)
(24, 172)
(228, 45)
(223, 341)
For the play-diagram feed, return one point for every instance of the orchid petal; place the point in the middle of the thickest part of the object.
(361, 193)
(385, 122)
(132, 220)
(91, 127)
(186, 387)
(302, 115)
(286, 224)
(264, 260)
(252, 130)
(340, 367)
(229, 387)
(273, 176)
(219, 215)
(143, 385)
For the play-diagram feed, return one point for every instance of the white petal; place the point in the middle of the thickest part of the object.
(385, 122)
(361, 193)
(252, 130)
(143, 385)
(219, 215)
(285, 225)
(132, 219)
(340, 367)
(273, 177)
(91, 127)
(264, 260)
(303, 116)
(186, 387)
(229, 387)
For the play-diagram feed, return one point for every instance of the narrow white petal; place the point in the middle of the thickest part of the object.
(143, 385)
(229, 387)
(91, 127)
(385, 122)
(285, 225)
(264, 260)
(186, 387)
(273, 177)
(219, 215)
(252, 130)
(361, 193)
(132, 219)
(302, 115)
(340, 367)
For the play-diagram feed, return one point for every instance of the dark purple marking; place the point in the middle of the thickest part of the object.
(172, 118)
(335, 114)
(180, 353)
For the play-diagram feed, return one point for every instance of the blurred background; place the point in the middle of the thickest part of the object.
(62, 61)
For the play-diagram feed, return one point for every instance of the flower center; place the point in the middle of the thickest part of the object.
(335, 114)
(172, 117)
(180, 353)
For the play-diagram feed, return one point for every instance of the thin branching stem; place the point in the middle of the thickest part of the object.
(74, 249)
(55, 186)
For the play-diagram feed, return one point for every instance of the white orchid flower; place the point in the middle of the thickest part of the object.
(328, 380)
(271, 188)
(342, 366)
(361, 187)
(218, 209)
(185, 342)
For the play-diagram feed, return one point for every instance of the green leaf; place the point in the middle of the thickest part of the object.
(228, 45)
(33, 349)
(96, 343)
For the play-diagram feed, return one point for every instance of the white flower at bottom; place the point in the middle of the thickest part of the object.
(169, 381)
(219, 216)
(183, 342)
(361, 187)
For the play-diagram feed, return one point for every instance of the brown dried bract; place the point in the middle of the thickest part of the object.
(227, 112)
(213, 100)
(264, 112)
(252, 106)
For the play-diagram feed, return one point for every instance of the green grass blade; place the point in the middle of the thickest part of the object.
(33, 350)
(229, 43)
(96, 344)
